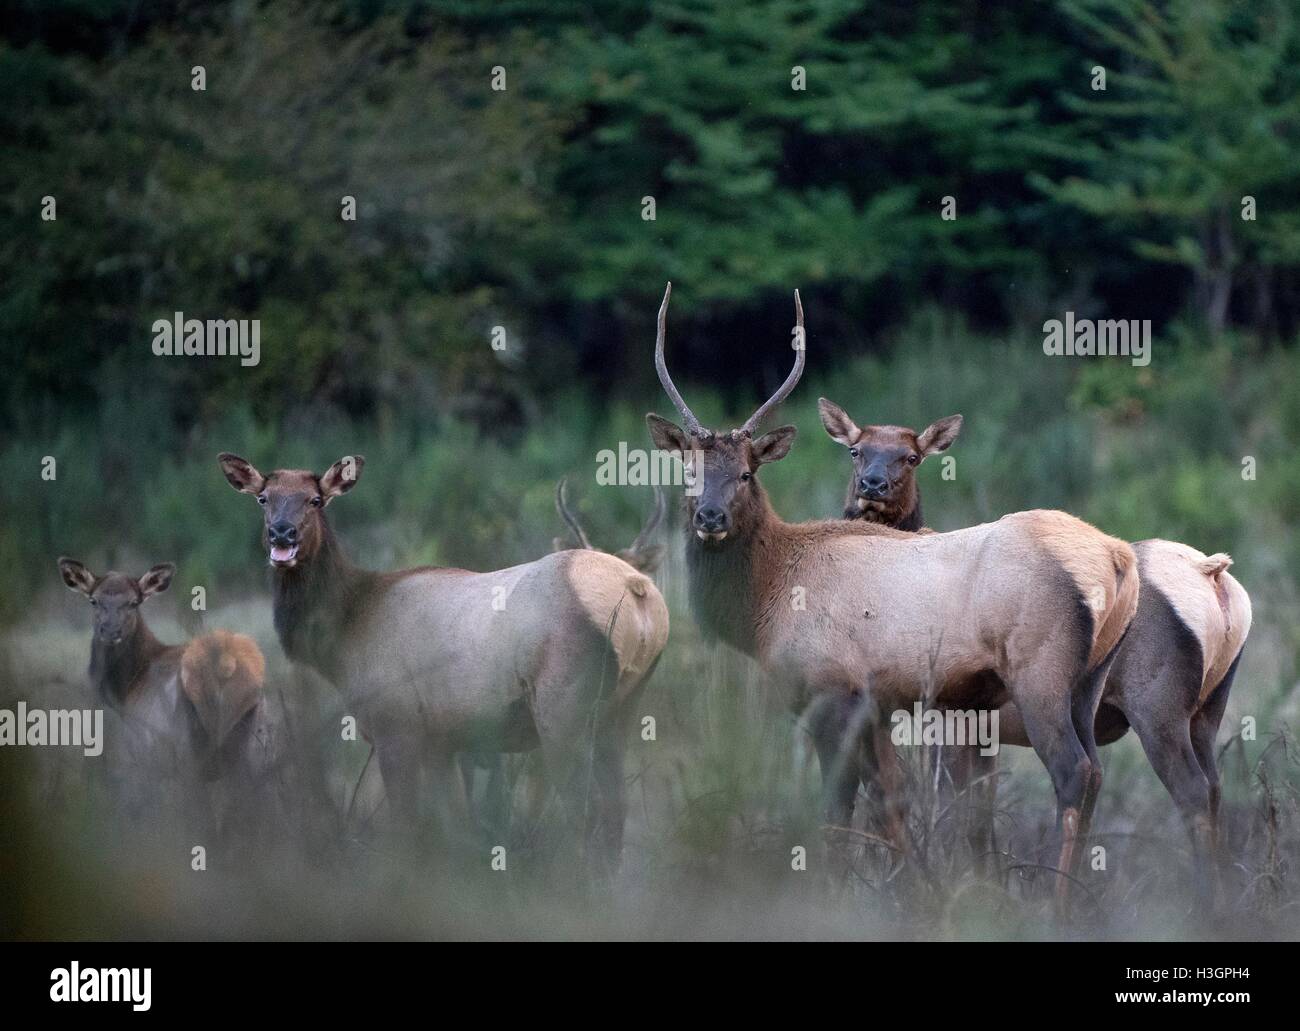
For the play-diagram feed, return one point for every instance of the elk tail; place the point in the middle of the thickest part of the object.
(1115, 621)
(1215, 564)
(222, 676)
(637, 627)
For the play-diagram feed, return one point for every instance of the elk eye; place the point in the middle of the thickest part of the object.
(912, 459)
(745, 477)
(94, 602)
(261, 499)
(853, 451)
(315, 502)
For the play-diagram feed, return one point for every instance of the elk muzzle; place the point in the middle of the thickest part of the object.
(282, 540)
(711, 523)
(873, 485)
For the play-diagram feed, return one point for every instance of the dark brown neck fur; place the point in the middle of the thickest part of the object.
(316, 602)
(902, 514)
(740, 588)
(115, 669)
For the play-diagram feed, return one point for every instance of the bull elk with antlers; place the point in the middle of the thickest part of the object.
(1173, 672)
(1035, 603)
(438, 661)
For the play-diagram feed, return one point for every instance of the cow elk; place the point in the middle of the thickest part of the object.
(1035, 604)
(641, 555)
(195, 708)
(1172, 674)
(433, 662)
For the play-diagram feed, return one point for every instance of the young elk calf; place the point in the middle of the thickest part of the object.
(851, 615)
(439, 661)
(196, 707)
(1173, 671)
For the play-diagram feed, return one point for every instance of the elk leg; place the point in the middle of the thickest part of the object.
(1166, 739)
(1050, 727)
(491, 814)
(451, 803)
(884, 763)
(496, 797)
(605, 829)
(970, 774)
(1204, 730)
(611, 784)
(1203, 734)
(1083, 713)
(569, 714)
(399, 766)
(838, 753)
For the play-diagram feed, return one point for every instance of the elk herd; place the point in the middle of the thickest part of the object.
(1071, 635)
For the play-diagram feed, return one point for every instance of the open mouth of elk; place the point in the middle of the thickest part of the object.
(284, 555)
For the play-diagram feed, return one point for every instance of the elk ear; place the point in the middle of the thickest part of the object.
(158, 579)
(241, 474)
(667, 436)
(341, 477)
(773, 445)
(841, 428)
(76, 576)
(938, 436)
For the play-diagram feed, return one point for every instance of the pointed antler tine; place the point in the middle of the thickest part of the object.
(652, 521)
(569, 518)
(784, 390)
(693, 426)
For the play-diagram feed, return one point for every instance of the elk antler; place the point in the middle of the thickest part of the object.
(693, 426)
(651, 523)
(752, 422)
(568, 516)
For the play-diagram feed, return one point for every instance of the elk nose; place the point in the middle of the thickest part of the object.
(710, 519)
(872, 483)
(283, 533)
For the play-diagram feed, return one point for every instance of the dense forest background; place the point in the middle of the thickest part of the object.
(523, 208)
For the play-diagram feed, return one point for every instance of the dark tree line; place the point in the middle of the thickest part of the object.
(524, 208)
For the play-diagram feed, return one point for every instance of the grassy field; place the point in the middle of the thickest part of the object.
(726, 790)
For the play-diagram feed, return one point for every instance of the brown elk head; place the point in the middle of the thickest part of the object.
(725, 500)
(641, 554)
(115, 597)
(883, 485)
(293, 501)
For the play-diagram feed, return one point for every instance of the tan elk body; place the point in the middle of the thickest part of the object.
(643, 556)
(436, 661)
(1171, 675)
(1033, 603)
